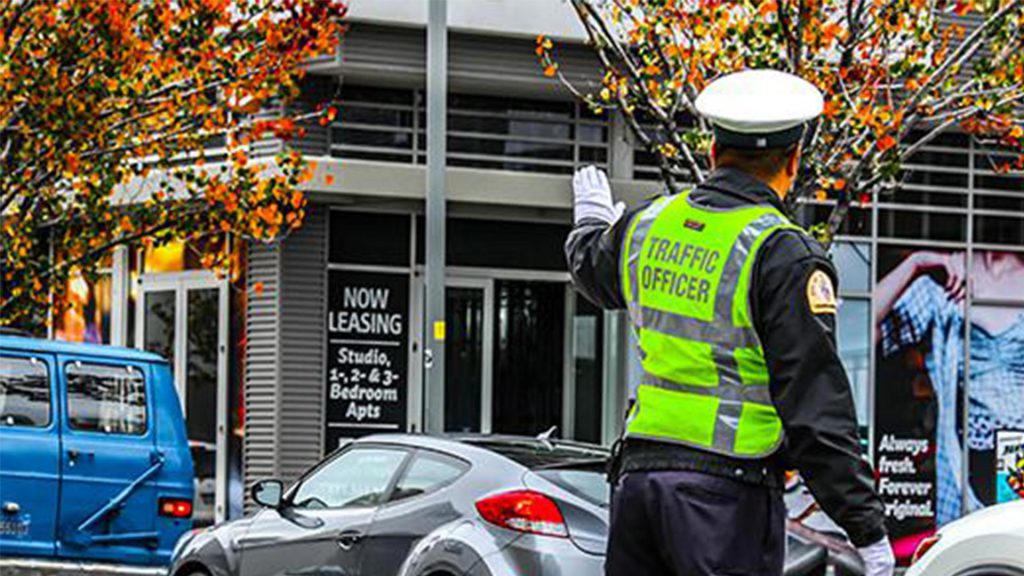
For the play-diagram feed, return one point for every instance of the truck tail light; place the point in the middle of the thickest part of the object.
(523, 511)
(924, 547)
(176, 507)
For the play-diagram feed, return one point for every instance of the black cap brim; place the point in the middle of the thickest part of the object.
(759, 141)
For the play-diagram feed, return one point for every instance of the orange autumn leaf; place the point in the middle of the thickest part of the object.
(767, 8)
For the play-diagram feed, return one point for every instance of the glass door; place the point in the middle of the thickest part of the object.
(529, 358)
(469, 309)
(183, 317)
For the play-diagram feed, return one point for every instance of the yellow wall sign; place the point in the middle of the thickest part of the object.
(439, 330)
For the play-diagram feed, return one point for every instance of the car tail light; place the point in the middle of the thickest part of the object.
(924, 547)
(176, 507)
(523, 511)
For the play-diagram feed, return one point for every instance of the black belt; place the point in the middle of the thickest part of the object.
(647, 456)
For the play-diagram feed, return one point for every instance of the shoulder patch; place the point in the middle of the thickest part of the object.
(821, 295)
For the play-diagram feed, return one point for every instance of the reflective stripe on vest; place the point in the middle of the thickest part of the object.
(686, 277)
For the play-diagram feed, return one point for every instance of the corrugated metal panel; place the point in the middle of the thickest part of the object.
(384, 49)
(261, 364)
(381, 50)
(303, 305)
(514, 60)
(284, 353)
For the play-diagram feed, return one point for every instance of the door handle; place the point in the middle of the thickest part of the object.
(74, 455)
(348, 539)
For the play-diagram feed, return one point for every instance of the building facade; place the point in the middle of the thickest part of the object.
(322, 339)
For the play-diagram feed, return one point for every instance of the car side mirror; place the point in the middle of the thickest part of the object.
(268, 493)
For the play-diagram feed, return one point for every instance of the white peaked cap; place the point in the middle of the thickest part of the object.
(760, 108)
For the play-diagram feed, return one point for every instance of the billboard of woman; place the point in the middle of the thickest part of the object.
(920, 334)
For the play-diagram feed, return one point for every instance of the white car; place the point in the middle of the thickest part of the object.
(989, 542)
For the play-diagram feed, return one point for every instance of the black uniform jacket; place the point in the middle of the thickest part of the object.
(808, 383)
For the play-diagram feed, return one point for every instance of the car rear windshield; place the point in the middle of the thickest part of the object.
(587, 483)
(538, 454)
(576, 469)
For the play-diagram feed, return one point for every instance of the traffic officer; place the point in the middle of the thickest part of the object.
(734, 312)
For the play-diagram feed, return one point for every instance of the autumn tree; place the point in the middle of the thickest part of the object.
(107, 111)
(895, 74)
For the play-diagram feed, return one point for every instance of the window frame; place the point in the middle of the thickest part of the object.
(146, 388)
(404, 470)
(289, 495)
(50, 412)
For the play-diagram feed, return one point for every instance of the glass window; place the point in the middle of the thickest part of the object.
(107, 399)
(853, 262)
(930, 226)
(357, 477)
(464, 358)
(177, 256)
(356, 238)
(857, 223)
(428, 472)
(503, 243)
(588, 337)
(589, 484)
(24, 392)
(854, 325)
(999, 230)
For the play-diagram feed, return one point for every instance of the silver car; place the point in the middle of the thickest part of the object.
(413, 505)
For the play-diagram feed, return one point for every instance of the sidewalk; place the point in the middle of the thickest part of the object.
(37, 567)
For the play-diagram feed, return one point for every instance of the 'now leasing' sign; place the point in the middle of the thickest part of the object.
(367, 354)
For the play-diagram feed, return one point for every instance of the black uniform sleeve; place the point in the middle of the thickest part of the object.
(592, 253)
(809, 386)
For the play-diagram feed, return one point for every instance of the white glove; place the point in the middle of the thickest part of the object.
(878, 558)
(593, 197)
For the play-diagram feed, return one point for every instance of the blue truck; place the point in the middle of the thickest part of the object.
(95, 466)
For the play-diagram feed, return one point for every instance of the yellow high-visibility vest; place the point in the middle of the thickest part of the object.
(686, 273)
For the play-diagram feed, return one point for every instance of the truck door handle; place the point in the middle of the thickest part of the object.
(74, 455)
(348, 539)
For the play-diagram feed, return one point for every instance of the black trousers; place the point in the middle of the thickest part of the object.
(680, 523)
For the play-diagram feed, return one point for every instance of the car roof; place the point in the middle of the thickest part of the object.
(524, 450)
(41, 345)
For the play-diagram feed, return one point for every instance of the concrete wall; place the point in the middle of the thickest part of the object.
(501, 17)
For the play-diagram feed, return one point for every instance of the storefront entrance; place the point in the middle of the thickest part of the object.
(183, 317)
(523, 352)
(505, 351)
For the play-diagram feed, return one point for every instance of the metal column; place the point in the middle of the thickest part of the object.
(437, 110)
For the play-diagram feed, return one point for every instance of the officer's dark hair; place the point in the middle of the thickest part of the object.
(764, 163)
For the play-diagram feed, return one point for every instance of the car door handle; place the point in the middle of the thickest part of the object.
(348, 539)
